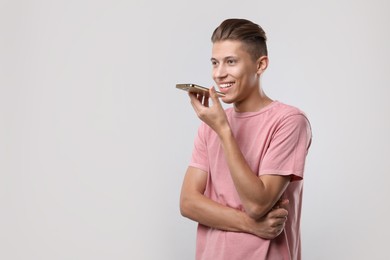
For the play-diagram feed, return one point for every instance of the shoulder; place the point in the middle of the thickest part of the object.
(289, 118)
(291, 123)
(282, 111)
(286, 109)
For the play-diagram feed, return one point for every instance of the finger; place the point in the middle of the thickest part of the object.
(193, 97)
(284, 203)
(206, 101)
(279, 213)
(214, 96)
(195, 102)
(280, 230)
(278, 223)
(200, 98)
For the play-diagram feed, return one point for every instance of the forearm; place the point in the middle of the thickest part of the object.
(212, 214)
(256, 199)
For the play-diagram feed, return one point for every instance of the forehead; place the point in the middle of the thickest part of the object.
(226, 48)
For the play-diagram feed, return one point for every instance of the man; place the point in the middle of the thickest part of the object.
(247, 160)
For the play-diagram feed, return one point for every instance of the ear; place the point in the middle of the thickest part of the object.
(262, 64)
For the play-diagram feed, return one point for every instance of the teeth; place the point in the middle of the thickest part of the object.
(226, 85)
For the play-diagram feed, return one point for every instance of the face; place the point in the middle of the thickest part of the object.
(235, 72)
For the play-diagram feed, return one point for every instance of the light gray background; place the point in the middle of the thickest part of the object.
(95, 139)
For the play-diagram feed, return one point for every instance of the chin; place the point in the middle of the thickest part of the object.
(227, 100)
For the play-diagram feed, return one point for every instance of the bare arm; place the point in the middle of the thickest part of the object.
(194, 205)
(258, 194)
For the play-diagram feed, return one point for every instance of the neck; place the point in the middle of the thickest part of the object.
(256, 101)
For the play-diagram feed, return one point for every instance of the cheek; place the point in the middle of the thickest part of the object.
(235, 72)
(245, 74)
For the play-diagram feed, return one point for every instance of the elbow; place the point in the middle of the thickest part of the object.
(256, 211)
(185, 207)
(255, 214)
(183, 210)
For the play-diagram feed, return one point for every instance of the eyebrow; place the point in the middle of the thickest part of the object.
(225, 58)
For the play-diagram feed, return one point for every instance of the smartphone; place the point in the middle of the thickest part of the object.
(193, 88)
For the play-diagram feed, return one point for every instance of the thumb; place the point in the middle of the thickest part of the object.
(284, 203)
(214, 95)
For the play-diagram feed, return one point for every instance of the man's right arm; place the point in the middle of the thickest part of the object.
(194, 205)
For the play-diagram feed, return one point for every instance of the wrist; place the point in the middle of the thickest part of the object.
(245, 224)
(225, 132)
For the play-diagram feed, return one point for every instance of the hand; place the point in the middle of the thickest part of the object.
(272, 224)
(213, 115)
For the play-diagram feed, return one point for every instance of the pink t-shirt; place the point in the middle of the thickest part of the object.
(274, 140)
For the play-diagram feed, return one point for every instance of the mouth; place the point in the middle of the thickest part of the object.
(224, 87)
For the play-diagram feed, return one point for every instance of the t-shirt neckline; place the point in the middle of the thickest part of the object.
(249, 114)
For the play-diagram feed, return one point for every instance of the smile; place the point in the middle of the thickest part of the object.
(226, 85)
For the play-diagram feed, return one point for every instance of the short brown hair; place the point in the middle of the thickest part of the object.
(251, 34)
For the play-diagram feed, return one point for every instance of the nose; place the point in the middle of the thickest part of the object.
(219, 71)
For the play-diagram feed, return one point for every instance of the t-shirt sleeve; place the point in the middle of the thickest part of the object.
(199, 158)
(288, 148)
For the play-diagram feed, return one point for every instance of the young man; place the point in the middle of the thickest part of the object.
(247, 160)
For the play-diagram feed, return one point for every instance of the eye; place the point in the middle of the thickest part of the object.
(214, 63)
(231, 61)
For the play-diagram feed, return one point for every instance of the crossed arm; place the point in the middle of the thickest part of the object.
(258, 194)
(196, 206)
